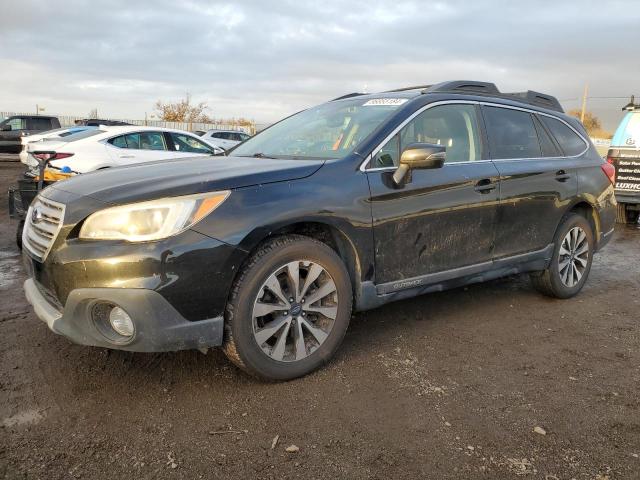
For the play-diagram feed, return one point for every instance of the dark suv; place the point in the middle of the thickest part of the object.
(14, 128)
(346, 206)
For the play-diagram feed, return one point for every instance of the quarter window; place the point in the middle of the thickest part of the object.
(569, 141)
(453, 126)
(512, 133)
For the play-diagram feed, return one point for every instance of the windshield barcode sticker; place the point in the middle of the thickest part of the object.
(384, 101)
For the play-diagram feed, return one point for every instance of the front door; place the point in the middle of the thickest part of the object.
(440, 219)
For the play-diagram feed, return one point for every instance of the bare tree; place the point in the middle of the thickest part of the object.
(183, 111)
(591, 123)
(93, 113)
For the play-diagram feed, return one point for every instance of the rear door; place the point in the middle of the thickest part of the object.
(441, 219)
(537, 179)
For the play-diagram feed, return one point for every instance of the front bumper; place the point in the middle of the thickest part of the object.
(158, 326)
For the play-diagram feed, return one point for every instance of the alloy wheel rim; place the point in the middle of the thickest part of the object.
(294, 311)
(573, 257)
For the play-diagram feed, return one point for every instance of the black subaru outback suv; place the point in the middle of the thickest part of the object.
(363, 200)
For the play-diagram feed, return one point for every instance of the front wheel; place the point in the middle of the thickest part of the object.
(571, 261)
(289, 309)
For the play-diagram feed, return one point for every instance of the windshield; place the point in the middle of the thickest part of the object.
(83, 134)
(331, 130)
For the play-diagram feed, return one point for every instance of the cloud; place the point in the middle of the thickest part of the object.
(264, 60)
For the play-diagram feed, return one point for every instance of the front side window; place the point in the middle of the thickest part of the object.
(569, 141)
(512, 133)
(331, 130)
(187, 143)
(16, 123)
(453, 126)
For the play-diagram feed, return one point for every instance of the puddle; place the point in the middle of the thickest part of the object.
(10, 268)
(27, 417)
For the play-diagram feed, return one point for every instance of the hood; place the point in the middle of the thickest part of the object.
(168, 178)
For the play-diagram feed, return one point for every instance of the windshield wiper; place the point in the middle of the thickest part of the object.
(260, 155)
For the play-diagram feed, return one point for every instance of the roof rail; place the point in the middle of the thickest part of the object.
(486, 88)
(464, 86)
(537, 98)
(348, 95)
(404, 89)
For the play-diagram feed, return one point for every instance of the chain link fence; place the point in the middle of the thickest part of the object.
(69, 120)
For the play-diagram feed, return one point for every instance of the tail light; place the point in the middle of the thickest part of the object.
(48, 156)
(610, 159)
(610, 171)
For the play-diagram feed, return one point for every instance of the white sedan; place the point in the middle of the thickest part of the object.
(49, 134)
(105, 147)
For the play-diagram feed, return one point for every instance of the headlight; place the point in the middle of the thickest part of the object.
(145, 221)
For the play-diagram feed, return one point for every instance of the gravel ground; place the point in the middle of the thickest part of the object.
(447, 385)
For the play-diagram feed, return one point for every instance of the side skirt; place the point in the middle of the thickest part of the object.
(372, 295)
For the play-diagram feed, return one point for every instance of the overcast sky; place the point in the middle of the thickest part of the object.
(265, 60)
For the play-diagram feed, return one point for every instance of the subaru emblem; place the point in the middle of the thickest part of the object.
(36, 215)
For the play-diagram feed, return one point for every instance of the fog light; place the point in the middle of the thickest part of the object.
(121, 322)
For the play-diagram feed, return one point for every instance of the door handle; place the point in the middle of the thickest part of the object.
(485, 186)
(126, 156)
(562, 176)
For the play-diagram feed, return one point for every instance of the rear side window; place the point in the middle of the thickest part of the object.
(547, 145)
(40, 124)
(140, 141)
(512, 133)
(569, 141)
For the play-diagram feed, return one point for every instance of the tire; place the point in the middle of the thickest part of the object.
(557, 281)
(19, 234)
(254, 342)
(625, 215)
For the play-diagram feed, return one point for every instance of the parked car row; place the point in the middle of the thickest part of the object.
(13, 129)
(85, 149)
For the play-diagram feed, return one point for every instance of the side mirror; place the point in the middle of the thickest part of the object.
(419, 155)
(6, 128)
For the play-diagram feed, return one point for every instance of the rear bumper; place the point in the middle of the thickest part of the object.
(158, 326)
(627, 197)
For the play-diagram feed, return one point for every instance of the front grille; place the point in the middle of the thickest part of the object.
(41, 227)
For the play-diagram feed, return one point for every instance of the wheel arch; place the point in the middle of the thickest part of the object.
(586, 209)
(325, 232)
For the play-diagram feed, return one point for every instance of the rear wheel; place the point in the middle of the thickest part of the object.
(289, 309)
(571, 260)
(626, 214)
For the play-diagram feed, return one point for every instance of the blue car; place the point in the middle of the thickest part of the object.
(624, 155)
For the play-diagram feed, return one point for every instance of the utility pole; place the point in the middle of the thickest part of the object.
(584, 102)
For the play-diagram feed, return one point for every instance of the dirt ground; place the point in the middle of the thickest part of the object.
(448, 385)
